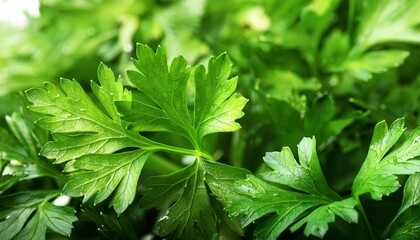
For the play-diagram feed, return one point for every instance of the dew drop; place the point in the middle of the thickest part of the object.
(7, 217)
(101, 213)
(83, 109)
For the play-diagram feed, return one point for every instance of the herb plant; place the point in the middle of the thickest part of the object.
(179, 147)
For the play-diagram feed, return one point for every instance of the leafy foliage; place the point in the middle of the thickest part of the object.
(215, 108)
(303, 186)
(20, 222)
(170, 131)
(378, 173)
(308, 191)
(90, 138)
(408, 215)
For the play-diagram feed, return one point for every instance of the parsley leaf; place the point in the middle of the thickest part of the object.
(302, 188)
(216, 107)
(27, 215)
(407, 212)
(388, 21)
(378, 174)
(375, 62)
(19, 149)
(79, 126)
(193, 214)
(101, 174)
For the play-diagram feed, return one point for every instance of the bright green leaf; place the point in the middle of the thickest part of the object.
(306, 176)
(375, 62)
(318, 220)
(388, 21)
(216, 107)
(283, 206)
(106, 174)
(411, 192)
(80, 127)
(378, 175)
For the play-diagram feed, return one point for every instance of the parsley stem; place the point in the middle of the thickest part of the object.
(161, 165)
(350, 17)
(365, 218)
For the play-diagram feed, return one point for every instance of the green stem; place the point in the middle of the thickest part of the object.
(160, 165)
(363, 213)
(350, 18)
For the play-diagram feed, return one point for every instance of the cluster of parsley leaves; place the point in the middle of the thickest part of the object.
(153, 143)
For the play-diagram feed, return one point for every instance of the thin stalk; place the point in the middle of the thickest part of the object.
(160, 165)
(364, 216)
(350, 18)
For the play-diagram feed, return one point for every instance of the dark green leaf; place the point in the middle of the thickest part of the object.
(191, 216)
(19, 222)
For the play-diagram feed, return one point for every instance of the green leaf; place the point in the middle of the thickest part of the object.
(335, 50)
(378, 174)
(375, 62)
(103, 156)
(7, 181)
(19, 152)
(411, 198)
(110, 90)
(411, 192)
(193, 215)
(13, 221)
(89, 136)
(388, 21)
(306, 176)
(58, 219)
(258, 199)
(409, 225)
(319, 119)
(318, 220)
(79, 126)
(216, 107)
(303, 190)
(19, 222)
(106, 174)
(220, 179)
